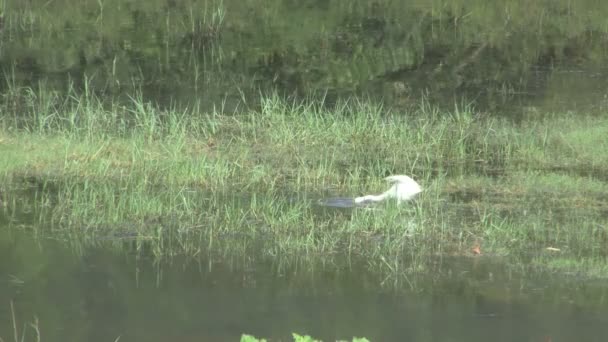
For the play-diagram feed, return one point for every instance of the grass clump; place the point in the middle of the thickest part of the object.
(187, 182)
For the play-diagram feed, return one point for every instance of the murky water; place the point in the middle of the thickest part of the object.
(106, 295)
(541, 58)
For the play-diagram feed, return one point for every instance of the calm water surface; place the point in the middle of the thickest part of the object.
(101, 294)
(541, 58)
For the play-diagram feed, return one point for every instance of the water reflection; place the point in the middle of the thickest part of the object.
(104, 294)
(455, 52)
(338, 202)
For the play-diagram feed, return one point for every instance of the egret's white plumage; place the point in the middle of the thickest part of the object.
(403, 189)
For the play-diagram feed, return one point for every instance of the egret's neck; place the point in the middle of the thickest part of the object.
(390, 193)
(374, 198)
(402, 191)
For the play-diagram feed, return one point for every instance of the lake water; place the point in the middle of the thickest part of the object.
(103, 294)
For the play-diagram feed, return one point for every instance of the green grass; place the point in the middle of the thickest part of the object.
(187, 182)
(296, 338)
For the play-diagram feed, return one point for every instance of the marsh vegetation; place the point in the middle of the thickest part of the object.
(178, 182)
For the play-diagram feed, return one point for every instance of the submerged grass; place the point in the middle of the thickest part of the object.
(172, 182)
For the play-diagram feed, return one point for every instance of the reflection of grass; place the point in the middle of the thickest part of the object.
(17, 336)
(580, 267)
(182, 182)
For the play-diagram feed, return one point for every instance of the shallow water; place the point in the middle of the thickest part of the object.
(102, 294)
(337, 202)
(519, 70)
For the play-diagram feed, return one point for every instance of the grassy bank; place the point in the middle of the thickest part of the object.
(173, 182)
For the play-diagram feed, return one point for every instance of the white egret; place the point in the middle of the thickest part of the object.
(404, 189)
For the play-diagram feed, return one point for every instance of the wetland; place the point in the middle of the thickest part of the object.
(166, 181)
